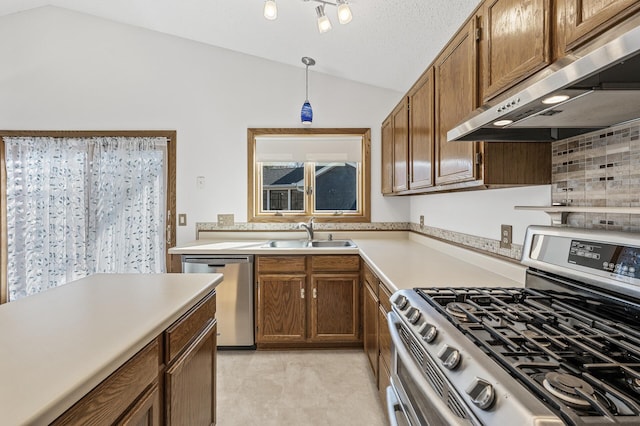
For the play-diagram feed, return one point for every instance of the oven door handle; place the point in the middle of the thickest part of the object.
(393, 407)
(409, 363)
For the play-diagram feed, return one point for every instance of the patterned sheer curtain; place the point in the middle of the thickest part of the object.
(77, 206)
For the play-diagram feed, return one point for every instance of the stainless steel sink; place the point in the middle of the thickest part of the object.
(333, 243)
(310, 244)
(287, 244)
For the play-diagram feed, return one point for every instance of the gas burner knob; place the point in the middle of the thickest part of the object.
(414, 316)
(482, 393)
(429, 332)
(450, 357)
(402, 302)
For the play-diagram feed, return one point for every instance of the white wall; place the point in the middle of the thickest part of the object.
(482, 212)
(63, 70)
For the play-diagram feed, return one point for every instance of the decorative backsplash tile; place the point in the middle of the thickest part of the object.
(600, 169)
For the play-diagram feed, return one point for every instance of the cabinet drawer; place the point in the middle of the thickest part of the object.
(281, 264)
(385, 296)
(178, 335)
(335, 263)
(371, 279)
(109, 400)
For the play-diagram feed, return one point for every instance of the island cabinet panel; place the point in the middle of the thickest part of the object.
(421, 132)
(456, 97)
(585, 19)
(146, 412)
(281, 308)
(335, 307)
(190, 382)
(387, 157)
(112, 398)
(515, 42)
(187, 327)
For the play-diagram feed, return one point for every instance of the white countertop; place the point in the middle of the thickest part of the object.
(57, 345)
(400, 259)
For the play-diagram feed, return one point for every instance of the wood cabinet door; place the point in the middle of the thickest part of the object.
(421, 132)
(146, 412)
(335, 302)
(456, 96)
(386, 183)
(515, 42)
(370, 327)
(281, 308)
(400, 146)
(588, 18)
(384, 336)
(190, 382)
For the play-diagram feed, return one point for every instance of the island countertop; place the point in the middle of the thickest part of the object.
(57, 345)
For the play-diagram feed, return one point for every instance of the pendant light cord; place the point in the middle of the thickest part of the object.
(306, 83)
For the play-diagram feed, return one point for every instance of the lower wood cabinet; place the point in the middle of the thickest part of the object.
(308, 301)
(171, 383)
(377, 338)
(281, 308)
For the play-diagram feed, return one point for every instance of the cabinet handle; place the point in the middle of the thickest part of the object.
(302, 293)
(315, 293)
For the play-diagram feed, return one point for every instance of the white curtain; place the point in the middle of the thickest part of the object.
(77, 206)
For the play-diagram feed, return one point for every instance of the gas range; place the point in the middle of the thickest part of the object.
(563, 350)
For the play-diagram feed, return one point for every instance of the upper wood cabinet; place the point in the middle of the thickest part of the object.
(455, 97)
(421, 132)
(400, 145)
(585, 19)
(515, 42)
(387, 157)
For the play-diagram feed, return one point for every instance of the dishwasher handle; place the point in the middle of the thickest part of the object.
(217, 262)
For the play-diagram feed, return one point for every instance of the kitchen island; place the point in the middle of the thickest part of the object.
(58, 345)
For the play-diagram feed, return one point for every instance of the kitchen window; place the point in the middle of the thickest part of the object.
(77, 203)
(299, 173)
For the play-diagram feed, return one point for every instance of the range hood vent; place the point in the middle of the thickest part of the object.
(598, 90)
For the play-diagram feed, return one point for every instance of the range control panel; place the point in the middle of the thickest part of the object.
(617, 259)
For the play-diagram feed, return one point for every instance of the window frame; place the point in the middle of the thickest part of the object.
(254, 190)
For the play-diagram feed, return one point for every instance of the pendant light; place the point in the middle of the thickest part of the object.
(270, 10)
(306, 115)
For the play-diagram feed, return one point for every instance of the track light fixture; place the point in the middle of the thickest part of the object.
(344, 12)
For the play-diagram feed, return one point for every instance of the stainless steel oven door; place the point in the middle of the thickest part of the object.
(416, 397)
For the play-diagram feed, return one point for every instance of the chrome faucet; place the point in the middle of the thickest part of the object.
(308, 227)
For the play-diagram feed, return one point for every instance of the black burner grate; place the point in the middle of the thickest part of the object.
(532, 333)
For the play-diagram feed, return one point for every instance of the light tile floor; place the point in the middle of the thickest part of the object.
(297, 388)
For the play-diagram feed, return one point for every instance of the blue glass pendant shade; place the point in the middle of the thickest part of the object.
(306, 115)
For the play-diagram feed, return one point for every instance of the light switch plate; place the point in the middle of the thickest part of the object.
(182, 219)
(225, 220)
(506, 238)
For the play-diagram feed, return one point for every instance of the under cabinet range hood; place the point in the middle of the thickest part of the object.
(595, 91)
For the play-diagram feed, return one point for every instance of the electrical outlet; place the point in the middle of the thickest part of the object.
(421, 220)
(200, 181)
(225, 219)
(182, 219)
(506, 236)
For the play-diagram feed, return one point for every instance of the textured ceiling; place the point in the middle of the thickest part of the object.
(387, 44)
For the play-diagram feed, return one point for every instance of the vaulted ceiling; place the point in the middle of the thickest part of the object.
(387, 44)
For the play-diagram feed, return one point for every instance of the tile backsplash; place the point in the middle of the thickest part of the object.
(599, 169)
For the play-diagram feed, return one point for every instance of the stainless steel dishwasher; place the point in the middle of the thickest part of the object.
(234, 296)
